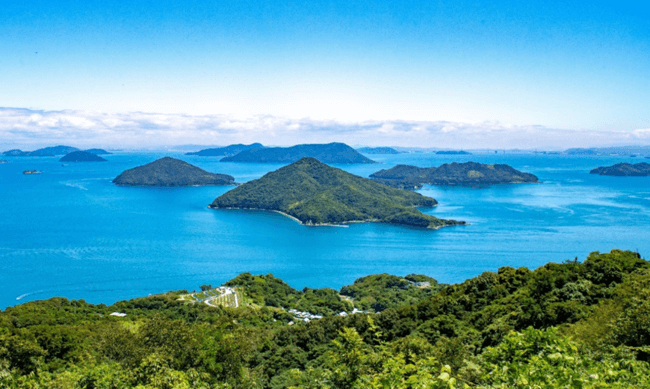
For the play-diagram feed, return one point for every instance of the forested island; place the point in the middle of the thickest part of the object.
(44, 152)
(169, 171)
(326, 153)
(317, 194)
(226, 151)
(81, 156)
(465, 174)
(623, 169)
(564, 325)
(377, 150)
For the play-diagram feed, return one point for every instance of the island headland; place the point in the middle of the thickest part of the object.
(81, 156)
(169, 171)
(452, 174)
(226, 151)
(624, 169)
(377, 150)
(326, 153)
(317, 194)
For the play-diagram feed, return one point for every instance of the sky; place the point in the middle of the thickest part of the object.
(503, 74)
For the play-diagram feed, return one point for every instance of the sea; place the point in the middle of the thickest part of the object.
(71, 232)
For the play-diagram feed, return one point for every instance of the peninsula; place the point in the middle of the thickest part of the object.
(81, 156)
(317, 194)
(452, 174)
(326, 153)
(624, 169)
(169, 171)
(378, 150)
(226, 151)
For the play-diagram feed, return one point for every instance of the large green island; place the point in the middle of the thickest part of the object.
(317, 194)
(169, 171)
(452, 174)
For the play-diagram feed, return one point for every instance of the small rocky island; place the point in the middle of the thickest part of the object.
(452, 174)
(326, 153)
(81, 156)
(316, 194)
(27, 172)
(226, 151)
(169, 171)
(378, 150)
(624, 170)
(3, 161)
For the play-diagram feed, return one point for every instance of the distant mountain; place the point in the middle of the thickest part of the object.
(45, 152)
(169, 171)
(377, 150)
(81, 156)
(16, 153)
(226, 151)
(624, 169)
(50, 151)
(98, 151)
(453, 152)
(317, 194)
(326, 153)
(465, 174)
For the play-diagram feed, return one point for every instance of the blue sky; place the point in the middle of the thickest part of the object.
(575, 66)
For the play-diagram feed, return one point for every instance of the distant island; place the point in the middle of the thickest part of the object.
(631, 151)
(326, 153)
(169, 171)
(226, 151)
(377, 150)
(44, 152)
(81, 156)
(453, 152)
(465, 174)
(623, 169)
(98, 151)
(316, 194)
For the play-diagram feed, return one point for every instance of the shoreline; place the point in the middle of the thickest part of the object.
(345, 224)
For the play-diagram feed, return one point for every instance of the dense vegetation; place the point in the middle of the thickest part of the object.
(326, 153)
(377, 150)
(468, 174)
(564, 325)
(81, 156)
(169, 171)
(624, 169)
(226, 151)
(315, 193)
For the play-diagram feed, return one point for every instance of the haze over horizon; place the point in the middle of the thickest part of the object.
(467, 74)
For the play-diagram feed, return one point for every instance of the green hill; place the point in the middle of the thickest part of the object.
(326, 153)
(317, 194)
(169, 171)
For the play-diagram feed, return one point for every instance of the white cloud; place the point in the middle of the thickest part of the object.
(30, 129)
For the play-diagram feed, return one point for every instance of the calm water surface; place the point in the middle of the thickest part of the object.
(70, 232)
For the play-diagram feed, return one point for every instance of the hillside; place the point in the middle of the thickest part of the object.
(226, 151)
(326, 153)
(169, 171)
(624, 169)
(563, 325)
(316, 194)
(81, 156)
(465, 174)
(377, 150)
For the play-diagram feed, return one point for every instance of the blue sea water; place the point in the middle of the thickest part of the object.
(70, 232)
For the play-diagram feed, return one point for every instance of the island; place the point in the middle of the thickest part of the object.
(314, 193)
(3, 161)
(98, 151)
(44, 152)
(226, 151)
(453, 174)
(169, 171)
(32, 172)
(81, 156)
(624, 170)
(377, 150)
(326, 153)
(453, 152)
